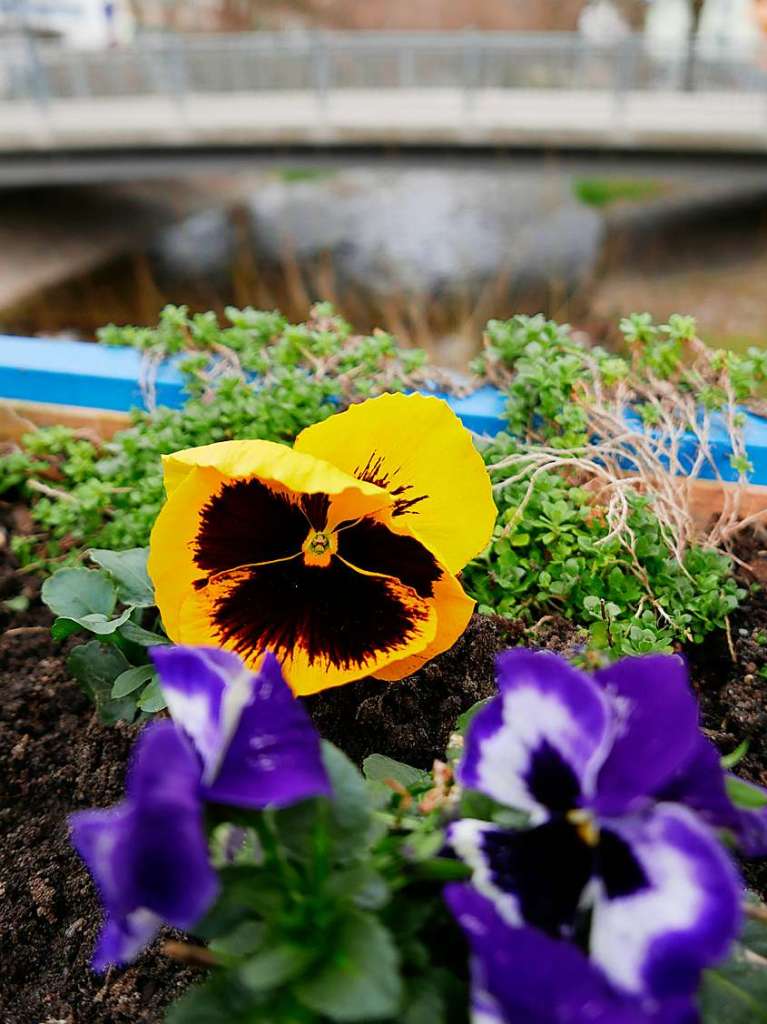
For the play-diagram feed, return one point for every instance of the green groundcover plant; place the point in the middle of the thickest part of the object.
(626, 565)
(590, 480)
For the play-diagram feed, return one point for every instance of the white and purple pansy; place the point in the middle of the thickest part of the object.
(620, 858)
(523, 975)
(236, 737)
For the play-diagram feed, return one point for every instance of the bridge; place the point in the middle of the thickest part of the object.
(225, 95)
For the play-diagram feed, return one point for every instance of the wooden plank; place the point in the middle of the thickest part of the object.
(707, 497)
(19, 417)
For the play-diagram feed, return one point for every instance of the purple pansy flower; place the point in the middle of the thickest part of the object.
(522, 974)
(643, 885)
(237, 738)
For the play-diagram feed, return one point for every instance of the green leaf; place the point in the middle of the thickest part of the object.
(350, 811)
(360, 884)
(245, 891)
(128, 570)
(246, 937)
(142, 637)
(425, 1001)
(62, 628)
(95, 666)
(735, 756)
(735, 993)
(82, 599)
(275, 967)
(152, 698)
(443, 869)
(220, 1000)
(379, 768)
(754, 934)
(744, 794)
(94, 623)
(131, 679)
(464, 720)
(360, 981)
(76, 593)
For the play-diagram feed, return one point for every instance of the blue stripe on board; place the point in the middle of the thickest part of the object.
(100, 377)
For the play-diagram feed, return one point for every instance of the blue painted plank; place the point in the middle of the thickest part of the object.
(101, 377)
(79, 373)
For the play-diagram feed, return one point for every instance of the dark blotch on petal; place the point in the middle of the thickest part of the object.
(621, 872)
(331, 611)
(316, 507)
(551, 780)
(372, 546)
(375, 472)
(248, 522)
(546, 868)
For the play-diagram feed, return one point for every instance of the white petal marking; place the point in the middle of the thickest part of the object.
(465, 837)
(529, 718)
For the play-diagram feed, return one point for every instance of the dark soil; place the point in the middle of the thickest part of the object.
(412, 720)
(730, 676)
(57, 758)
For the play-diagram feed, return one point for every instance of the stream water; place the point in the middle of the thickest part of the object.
(431, 249)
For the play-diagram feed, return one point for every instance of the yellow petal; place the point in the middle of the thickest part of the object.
(171, 564)
(278, 464)
(417, 448)
(454, 610)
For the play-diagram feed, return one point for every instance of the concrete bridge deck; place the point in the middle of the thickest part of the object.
(711, 121)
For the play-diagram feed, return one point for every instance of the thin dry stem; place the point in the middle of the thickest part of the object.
(656, 462)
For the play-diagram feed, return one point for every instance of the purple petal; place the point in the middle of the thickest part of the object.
(750, 826)
(122, 939)
(484, 1009)
(194, 681)
(535, 876)
(668, 905)
(256, 742)
(274, 757)
(701, 784)
(656, 716)
(94, 835)
(539, 744)
(149, 855)
(521, 974)
(163, 768)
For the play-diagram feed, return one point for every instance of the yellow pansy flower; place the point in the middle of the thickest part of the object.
(339, 554)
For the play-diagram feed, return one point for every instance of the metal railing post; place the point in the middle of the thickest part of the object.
(624, 77)
(176, 78)
(38, 81)
(77, 77)
(406, 66)
(471, 67)
(321, 72)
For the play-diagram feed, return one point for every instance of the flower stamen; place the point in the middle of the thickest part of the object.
(319, 547)
(585, 826)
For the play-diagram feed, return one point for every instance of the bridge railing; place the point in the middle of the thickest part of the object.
(324, 62)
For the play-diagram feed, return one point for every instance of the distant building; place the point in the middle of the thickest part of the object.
(600, 22)
(726, 27)
(84, 24)
(365, 15)
(729, 25)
